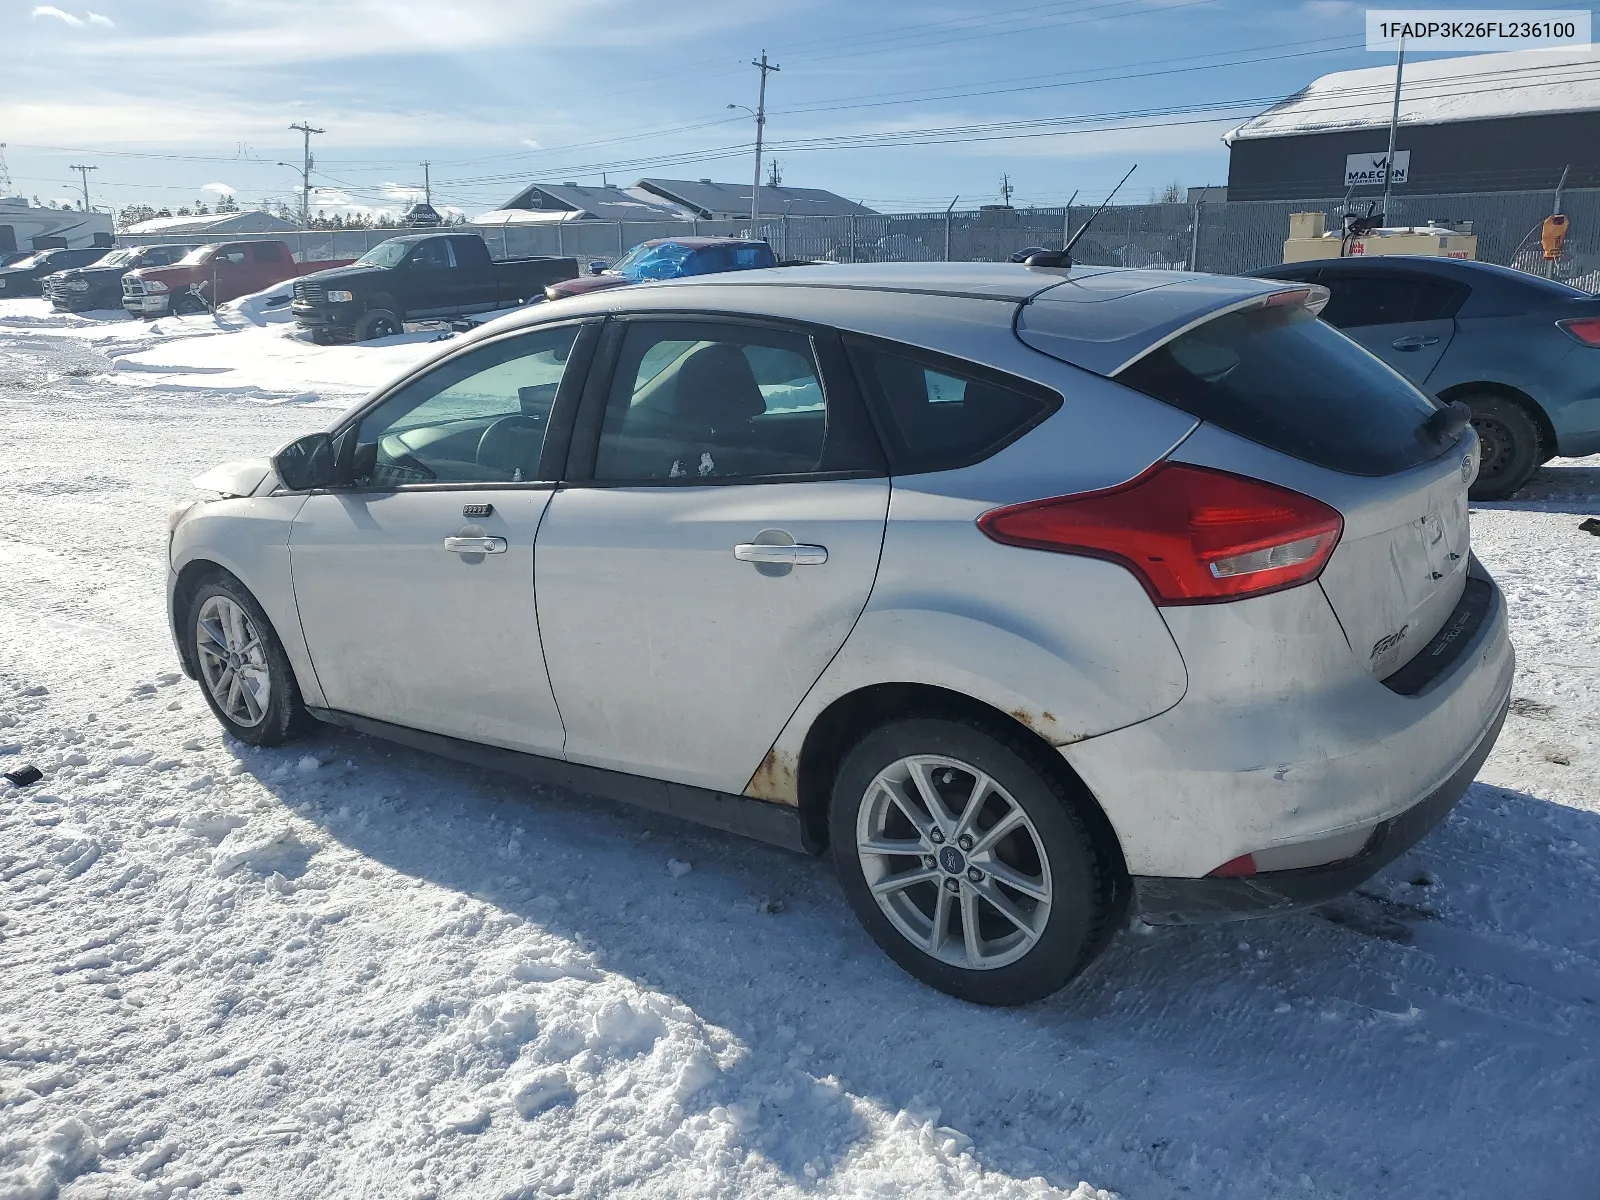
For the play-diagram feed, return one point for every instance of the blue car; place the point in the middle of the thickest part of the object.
(670, 258)
(1523, 353)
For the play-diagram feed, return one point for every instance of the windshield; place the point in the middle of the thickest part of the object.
(198, 255)
(117, 258)
(662, 261)
(384, 254)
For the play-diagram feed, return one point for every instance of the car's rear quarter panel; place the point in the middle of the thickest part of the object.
(1069, 646)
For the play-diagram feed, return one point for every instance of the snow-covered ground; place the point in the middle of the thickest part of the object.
(248, 349)
(342, 969)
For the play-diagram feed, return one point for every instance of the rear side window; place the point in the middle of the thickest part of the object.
(268, 252)
(937, 414)
(1280, 377)
(1356, 300)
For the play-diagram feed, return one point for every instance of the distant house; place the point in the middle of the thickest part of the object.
(548, 203)
(216, 224)
(710, 201)
(1478, 123)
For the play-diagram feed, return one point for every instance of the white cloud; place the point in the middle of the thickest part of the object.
(304, 31)
(48, 10)
(97, 19)
(217, 189)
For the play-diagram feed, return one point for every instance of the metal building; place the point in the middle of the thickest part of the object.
(1478, 123)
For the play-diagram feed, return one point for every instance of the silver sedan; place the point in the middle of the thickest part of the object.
(1038, 596)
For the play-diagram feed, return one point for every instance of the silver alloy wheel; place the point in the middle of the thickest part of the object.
(233, 661)
(954, 862)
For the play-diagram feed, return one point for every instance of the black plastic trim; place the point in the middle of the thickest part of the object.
(1169, 901)
(776, 824)
(1458, 633)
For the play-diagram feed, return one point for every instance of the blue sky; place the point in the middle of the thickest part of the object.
(933, 100)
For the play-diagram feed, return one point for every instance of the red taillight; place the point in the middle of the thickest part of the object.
(1192, 535)
(1582, 329)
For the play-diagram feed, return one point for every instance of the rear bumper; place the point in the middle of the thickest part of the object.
(1163, 901)
(1283, 741)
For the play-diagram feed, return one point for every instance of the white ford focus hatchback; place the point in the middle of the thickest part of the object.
(1037, 595)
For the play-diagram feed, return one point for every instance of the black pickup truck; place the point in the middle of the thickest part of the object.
(418, 277)
(99, 285)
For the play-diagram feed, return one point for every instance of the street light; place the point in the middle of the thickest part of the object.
(755, 188)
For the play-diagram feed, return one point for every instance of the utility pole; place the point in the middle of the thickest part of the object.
(761, 121)
(427, 182)
(305, 173)
(1394, 124)
(5, 172)
(774, 175)
(84, 173)
(1006, 190)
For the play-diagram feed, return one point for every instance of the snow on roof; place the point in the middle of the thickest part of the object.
(1470, 88)
(607, 203)
(709, 199)
(249, 221)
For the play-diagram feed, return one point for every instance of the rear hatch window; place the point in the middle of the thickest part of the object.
(1284, 379)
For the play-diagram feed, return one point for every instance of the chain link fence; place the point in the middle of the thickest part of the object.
(1223, 238)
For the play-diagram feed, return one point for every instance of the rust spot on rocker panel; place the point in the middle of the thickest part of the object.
(1046, 726)
(776, 779)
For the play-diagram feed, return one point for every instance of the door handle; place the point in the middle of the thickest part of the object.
(475, 545)
(786, 556)
(1415, 341)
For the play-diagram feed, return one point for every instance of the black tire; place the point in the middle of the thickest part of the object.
(378, 323)
(284, 717)
(1511, 445)
(185, 303)
(1088, 887)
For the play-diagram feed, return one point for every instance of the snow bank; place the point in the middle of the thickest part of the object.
(249, 349)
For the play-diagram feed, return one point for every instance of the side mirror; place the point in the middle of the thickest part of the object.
(306, 462)
(598, 266)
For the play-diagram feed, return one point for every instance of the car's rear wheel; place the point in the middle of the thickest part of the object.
(1511, 446)
(244, 672)
(379, 323)
(970, 863)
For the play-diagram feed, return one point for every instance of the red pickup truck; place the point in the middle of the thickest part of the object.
(212, 275)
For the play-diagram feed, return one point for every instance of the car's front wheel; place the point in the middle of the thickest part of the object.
(969, 862)
(244, 672)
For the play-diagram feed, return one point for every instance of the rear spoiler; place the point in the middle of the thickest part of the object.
(1312, 296)
(1106, 329)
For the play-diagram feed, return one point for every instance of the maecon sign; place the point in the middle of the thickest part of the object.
(1366, 170)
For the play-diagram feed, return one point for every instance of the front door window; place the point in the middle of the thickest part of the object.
(480, 418)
